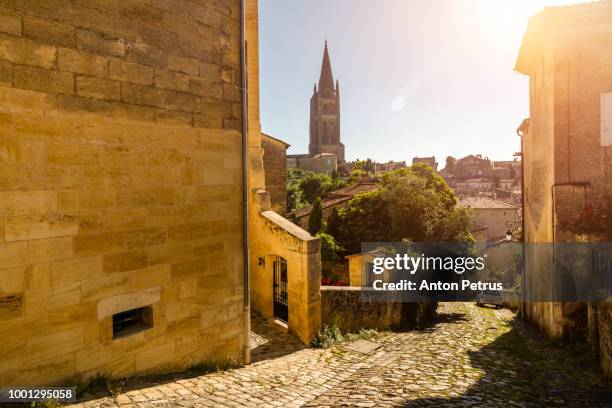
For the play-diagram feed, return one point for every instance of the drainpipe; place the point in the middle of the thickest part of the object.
(245, 183)
(523, 308)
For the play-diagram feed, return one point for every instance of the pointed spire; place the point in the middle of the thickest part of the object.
(326, 81)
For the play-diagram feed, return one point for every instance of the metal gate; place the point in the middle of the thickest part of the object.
(281, 306)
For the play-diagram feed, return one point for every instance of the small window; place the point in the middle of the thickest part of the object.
(132, 321)
(606, 119)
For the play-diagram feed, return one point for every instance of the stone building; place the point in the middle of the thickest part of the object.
(275, 167)
(567, 150)
(325, 114)
(497, 216)
(430, 161)
(321, 163)
(123, 228)
(473, 166)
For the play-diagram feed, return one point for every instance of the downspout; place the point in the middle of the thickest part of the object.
(245, 183)
(523, 308)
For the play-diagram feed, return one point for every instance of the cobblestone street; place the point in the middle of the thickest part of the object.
(470, 356)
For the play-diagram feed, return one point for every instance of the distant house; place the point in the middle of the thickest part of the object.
(337, 198)
(497, 216)
(321, 163)
(430, 161)
(391, 165)
(507, 184)
(473, 166)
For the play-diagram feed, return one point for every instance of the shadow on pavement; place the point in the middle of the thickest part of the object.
(522, 369)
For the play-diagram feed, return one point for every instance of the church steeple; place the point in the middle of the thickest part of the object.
(326, 80)
(325, 114)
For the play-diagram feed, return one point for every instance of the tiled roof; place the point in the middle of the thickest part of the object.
(339, 196)
(483, 202)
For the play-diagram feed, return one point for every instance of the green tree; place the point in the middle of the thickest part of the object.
(315, 221)
(333, 222)
(329, 247)
(413, 203)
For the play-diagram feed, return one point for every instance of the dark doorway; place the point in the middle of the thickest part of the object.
(281, 305)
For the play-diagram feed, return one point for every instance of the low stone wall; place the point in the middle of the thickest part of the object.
(344, 306)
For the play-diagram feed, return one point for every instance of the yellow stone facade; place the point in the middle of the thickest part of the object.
(271, 235)
(120, 186)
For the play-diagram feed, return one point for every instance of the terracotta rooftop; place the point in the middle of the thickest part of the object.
(483, 202)
(339, 196)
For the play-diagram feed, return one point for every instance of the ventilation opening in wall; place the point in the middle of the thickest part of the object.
(132, 321)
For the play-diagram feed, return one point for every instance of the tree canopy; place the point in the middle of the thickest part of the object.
(413, 203)
(304, 187)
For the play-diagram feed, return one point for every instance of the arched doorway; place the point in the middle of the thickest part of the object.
(279, 286)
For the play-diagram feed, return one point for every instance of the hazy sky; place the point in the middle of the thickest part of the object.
(416, 77)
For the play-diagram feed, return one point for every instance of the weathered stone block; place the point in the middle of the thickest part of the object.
(98, 243)
(174, 118)
(142, 95)
(38, 276)
(105, 286)
(148, 55)
(12, 280)
(99, 43)
(24, 51)
(53, 345)
(189, 269)
(98, 88)
(125, 261)
(10, 22)
(72, 154)
(82, 63)
(172, 80)
(169, 253)
(10, 177)
(6, 73)
(130, 72)
(40, 226)
(44, 300)
(145, 237)
(182, 101)
(28, 202)
(206, 88)
(75, 104)
(52, 249)
(38, 79)
(48, 31)
(189, 66)
(132, 112)
(75, 270)
(11, 306)
(154, 276)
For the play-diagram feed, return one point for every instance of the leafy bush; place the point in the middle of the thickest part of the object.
(329, 247)
(327, 337)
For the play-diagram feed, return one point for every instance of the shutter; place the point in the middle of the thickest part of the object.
(606, 119)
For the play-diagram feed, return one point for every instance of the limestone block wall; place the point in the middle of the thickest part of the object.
(344, 306)
(120, 186)
(275, 166)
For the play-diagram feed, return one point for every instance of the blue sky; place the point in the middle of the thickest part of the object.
(416, 77)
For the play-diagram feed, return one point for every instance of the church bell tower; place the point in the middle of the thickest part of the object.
(325, 114)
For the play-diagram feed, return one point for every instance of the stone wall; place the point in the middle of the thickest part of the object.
(275, 166)
(120, 186)
(344, 306)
